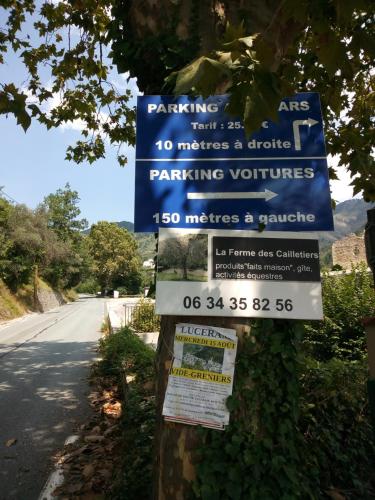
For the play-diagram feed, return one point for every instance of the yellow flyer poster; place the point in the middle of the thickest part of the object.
(201, 377)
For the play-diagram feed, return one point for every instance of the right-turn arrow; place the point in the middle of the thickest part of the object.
(297, 137)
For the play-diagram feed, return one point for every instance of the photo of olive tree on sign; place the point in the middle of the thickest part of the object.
(183, 258)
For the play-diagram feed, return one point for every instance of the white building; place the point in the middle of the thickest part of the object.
(148, 264)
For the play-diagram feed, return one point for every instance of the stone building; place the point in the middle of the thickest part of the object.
(349, 251)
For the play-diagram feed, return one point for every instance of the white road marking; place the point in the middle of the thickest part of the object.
(56, 478)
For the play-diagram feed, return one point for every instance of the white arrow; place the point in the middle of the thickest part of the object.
(298, 123)
(266, 195)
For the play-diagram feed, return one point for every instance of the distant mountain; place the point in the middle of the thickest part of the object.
(350, 216)
(126, 225)
(146, 245)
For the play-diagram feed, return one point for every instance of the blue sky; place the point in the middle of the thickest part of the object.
(32, 165)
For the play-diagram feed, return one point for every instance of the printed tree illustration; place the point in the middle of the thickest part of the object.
(185, 252)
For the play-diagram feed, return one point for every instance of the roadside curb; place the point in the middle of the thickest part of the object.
(56, 477)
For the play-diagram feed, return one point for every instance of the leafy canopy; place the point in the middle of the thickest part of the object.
(63, 212)
(48, 237)
(63, 48)
(259, 52)
(27, 242)
(115, 256)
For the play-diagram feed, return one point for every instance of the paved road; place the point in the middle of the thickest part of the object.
(44, 363)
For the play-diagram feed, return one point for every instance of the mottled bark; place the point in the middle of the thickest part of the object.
(176, 444)
(153, 17)
(153, 31)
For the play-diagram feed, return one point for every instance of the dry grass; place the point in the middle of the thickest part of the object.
(70, 295)
(10, 306)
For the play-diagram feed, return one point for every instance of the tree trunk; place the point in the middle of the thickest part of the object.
(175, 444)
(149, 24)
(35, 287)
(184, 270)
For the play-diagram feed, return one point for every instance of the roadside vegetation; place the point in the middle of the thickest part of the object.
(115, 259)
(131, 363)
(347, 300)
(10, 307)
(47, 248)
(113, 457)
(307, 412)
(325, 451)
(144, 317)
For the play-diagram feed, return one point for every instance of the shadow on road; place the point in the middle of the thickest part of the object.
(43, 388)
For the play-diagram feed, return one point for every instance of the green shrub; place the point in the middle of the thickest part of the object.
(124, 351)
(134, 480)
(125, 354)
(10, 305)
(88, 286)
(298, 427)
(338, 437)
(347, 299)
(144, 317)
(25, 294)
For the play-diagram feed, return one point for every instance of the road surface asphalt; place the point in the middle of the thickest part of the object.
(44, 364)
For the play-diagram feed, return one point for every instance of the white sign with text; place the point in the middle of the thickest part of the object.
(238, 273)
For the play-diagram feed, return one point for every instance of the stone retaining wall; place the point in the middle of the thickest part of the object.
(49, 299)
(349, 251)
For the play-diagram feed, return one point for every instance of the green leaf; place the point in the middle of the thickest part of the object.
(255, 112)
(334, 99)
(233, 32)
(23, 119)
(35, 110)
(365, 41)
(332, 174)
(241, 44)
(345, 10)
(203, 76)
(233, 490)
(265, 53)
(332, 54)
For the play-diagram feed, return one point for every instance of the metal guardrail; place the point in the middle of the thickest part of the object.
(129, 313)
(133, 311)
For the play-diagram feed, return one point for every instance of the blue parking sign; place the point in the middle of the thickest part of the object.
(195, 167)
